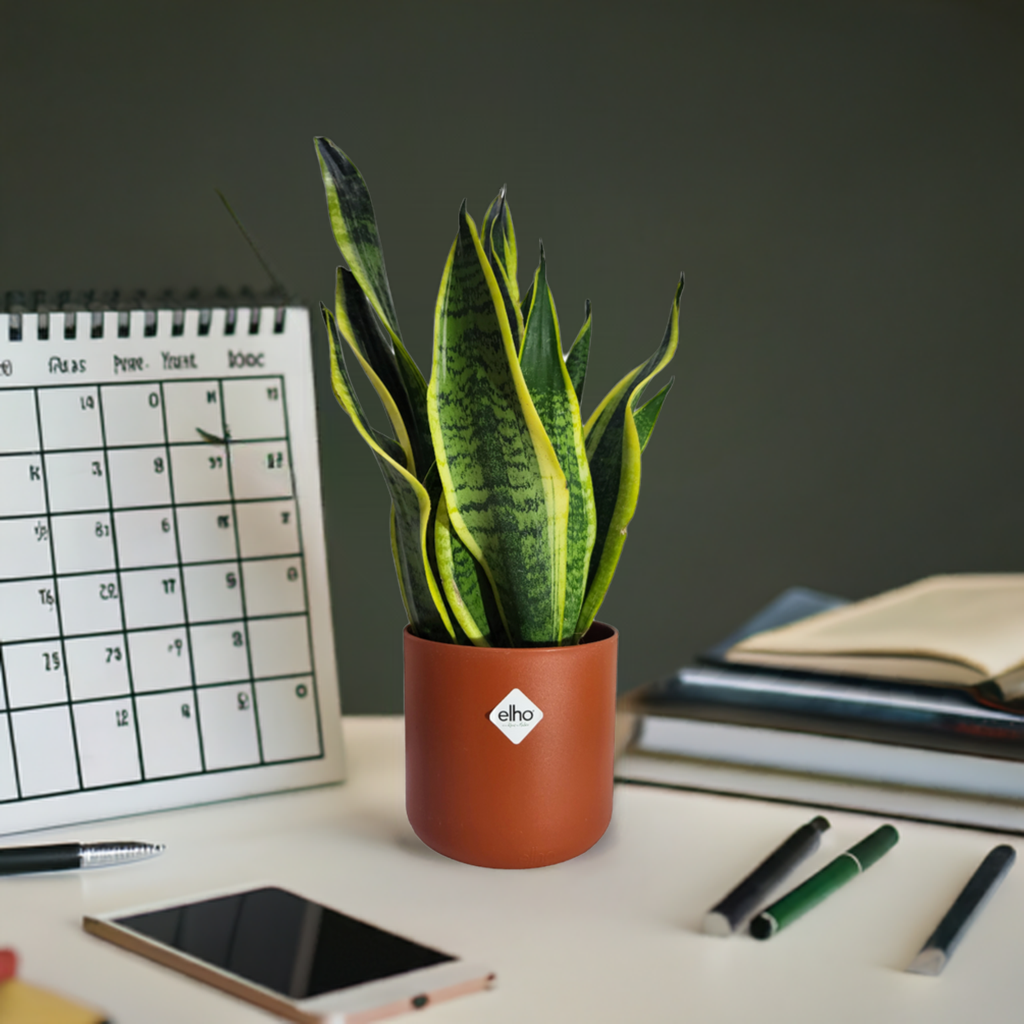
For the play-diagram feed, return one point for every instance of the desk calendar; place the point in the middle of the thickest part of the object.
(165, 633)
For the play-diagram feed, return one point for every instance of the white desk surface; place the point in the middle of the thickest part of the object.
(609, 937)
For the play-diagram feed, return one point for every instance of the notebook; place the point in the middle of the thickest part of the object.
(895, 748)
(962, 630)
(165, 629)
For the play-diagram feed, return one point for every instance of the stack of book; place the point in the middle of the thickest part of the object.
(908, 703)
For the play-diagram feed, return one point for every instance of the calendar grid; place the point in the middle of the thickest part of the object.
(158, 629)
(89, 524)
(181, 578)
(165, 627)
(120, 587)
(177, 444)
(298, 530)
(44, 475)
(211, 686)
(10, 725)
(238, 548)
(154, 565)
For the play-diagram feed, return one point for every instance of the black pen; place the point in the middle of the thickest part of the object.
(23, 860)
(943, 941)
(724, 918)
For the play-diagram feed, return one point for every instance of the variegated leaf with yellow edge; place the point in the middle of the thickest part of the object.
(613, 450)
(506, 494)
(410, 509)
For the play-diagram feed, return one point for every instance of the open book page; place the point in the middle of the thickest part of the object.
(956, 630)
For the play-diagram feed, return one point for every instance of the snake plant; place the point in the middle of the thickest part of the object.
(508, 511)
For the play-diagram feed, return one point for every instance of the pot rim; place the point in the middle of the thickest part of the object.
(609, 631)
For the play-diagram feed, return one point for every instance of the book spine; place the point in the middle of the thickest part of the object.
(909, 716)
(832, 757)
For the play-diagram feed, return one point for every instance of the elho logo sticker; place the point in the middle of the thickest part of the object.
(516, 716)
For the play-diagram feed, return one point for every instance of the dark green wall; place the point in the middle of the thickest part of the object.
(843, 184)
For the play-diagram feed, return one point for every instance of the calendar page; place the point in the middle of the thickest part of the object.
(165, 629)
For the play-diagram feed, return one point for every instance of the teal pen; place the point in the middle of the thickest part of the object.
(850, 863)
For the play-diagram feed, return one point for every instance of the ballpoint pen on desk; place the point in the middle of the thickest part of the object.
(22, 860)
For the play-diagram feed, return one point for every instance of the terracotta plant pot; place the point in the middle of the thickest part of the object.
(508, 751)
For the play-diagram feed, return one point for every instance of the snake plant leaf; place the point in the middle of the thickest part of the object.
(355, 227)
(579, 354)
(613, 449)
(506, 494)
(524, 306)
(355, 230)
(466, 586)
(432, 483)
(494, 239)
(391, 447)
(358, 326)
(410, 510)
(499, 240)
(361, 328)
(512, 310)
(647, 415)
(551, 388)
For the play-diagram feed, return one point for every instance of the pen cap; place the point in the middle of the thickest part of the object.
(876, 845)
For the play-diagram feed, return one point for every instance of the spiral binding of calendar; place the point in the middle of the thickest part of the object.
(87, 311)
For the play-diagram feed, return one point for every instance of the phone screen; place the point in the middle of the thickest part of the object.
(284, 942)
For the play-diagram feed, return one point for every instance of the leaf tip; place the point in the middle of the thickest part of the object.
(467, 228)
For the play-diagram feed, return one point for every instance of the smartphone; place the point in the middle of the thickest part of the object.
(292, 956)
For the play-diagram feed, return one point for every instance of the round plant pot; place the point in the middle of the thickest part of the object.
(509, 751)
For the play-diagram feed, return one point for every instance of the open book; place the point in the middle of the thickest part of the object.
(960, 630)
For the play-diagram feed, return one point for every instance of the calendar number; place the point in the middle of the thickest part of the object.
(102, 529)
(273, 394)
(121, 716)
(237, 640)
(108, 591)
(243, 702)
(97, 468)
(186, 710)
(46, 597)
(216, 462)
(114, 654)
(176, 647)
(302, 690)
(158, 465)
(165, 525)
(51, 661)
(275, 460)
(87, 402)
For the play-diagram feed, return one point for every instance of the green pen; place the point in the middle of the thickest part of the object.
(847, 865)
